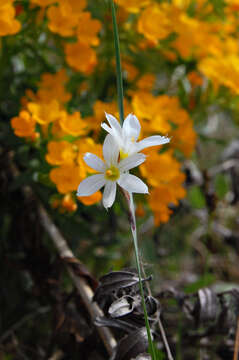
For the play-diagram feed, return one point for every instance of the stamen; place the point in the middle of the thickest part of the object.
(112, 173)
(109, 172)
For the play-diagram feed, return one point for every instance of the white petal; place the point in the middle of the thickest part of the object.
(131, 127)
(133, 184)
(152, 141)
(115, 125)
(131, 162)
(90, 185)
(94, 162)
(110, 150)
(109, 194)
(108, 129)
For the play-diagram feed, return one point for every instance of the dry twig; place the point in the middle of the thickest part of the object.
(83, 288)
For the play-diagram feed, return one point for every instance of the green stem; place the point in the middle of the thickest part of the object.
(134, 233)
(130, 198)
(118, 64)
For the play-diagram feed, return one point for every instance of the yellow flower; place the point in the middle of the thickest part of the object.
(146, 82)
(222, 70)
(157, 22)
(66, 177)
(68, 204)
(167, 183)
(29, 96)
(154, 22)
(199, 6)
(45, 113)
(24, 124)
(56, 129)
(73, 124)
(60, 22)
(148, 108)
(60, 152)
(43, 3)
(92, 199)
(133, 6)
(8, 24)
(158, 201)
(72, 6)
(232, 5)
(163, 114)
(81, 57)
(88, 29)
(53, 86)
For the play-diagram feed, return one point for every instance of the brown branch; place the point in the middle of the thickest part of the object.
(83, 288)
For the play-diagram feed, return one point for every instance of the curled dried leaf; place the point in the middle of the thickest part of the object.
(121, 307)
(132, 345)
(208, 306)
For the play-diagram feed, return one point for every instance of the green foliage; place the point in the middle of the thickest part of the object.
(221, 185)
(196, 197)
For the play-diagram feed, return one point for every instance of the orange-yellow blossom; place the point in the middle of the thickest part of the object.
(163, 173)
(66, 177)
(88, 29)
(155, 23)
(146, 82)
(133, 6)
(45, 113)
(24, 124)
(222, 70)
(148, 108)
(73, 124)
(52, 86)
(60, 152)
(81, 57)
(68, 204)
(61, 22)
(72, 6)
(8, 24)
(163, 114)
(42, 3)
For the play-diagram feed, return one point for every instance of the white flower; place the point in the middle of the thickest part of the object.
(126, 136)
(112, 172)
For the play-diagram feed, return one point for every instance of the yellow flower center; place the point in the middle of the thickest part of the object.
(123, 155)
(112, 173)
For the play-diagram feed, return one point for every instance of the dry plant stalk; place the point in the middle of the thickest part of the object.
(83, 288)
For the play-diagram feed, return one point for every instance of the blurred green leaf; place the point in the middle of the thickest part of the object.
(196, 197)
(221, 185)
